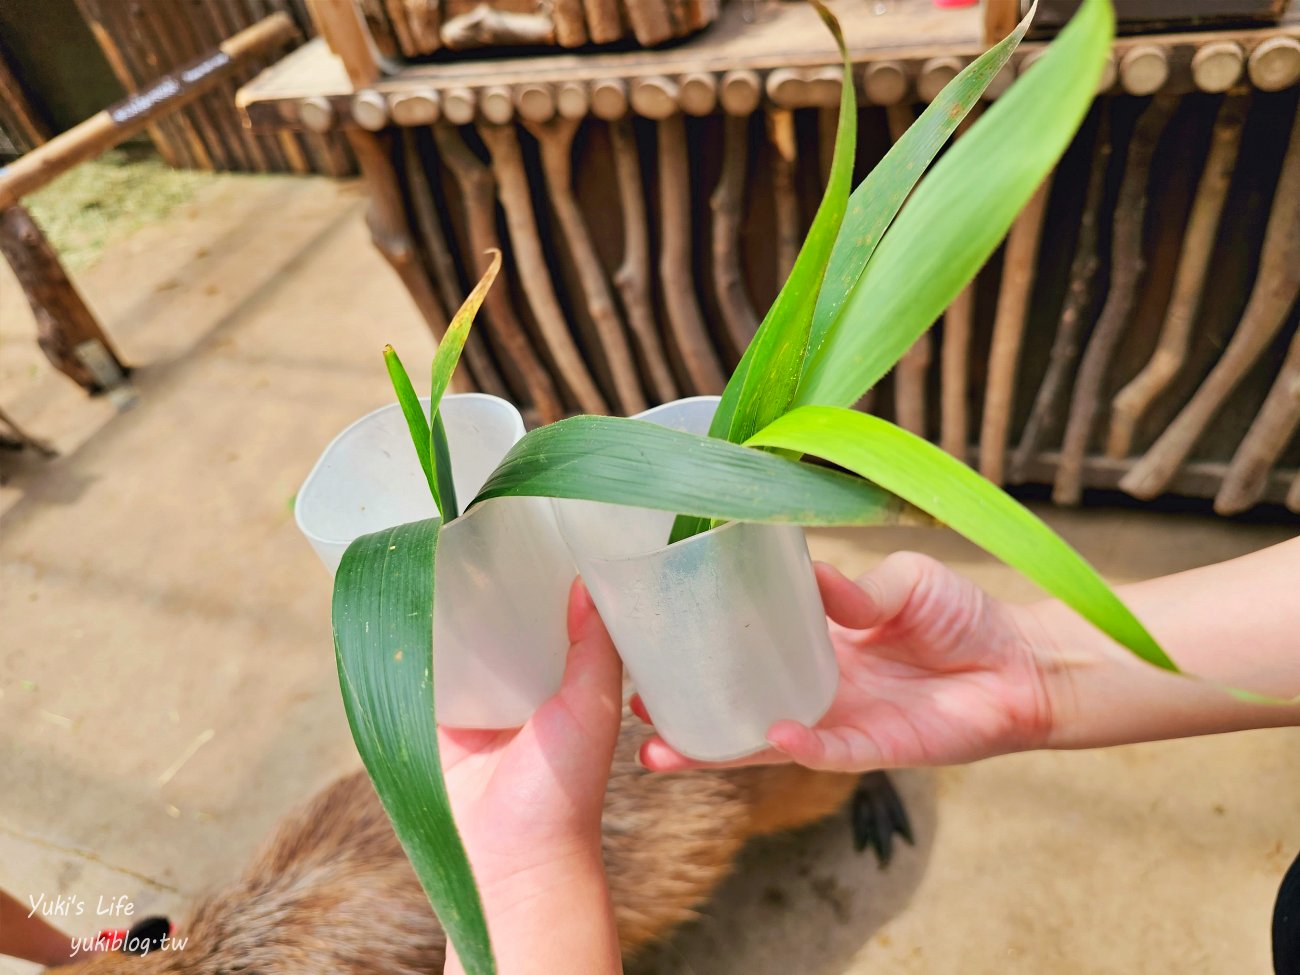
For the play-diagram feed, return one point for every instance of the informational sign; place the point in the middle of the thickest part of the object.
(167, 87)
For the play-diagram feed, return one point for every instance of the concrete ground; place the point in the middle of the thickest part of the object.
(167, 685)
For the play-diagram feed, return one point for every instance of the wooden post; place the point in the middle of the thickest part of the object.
(1276, 287)
(33, 129)
(1000, 19)
(516, 200)
(1268, 436)
(1132, 402)
(1018, 273)
(1129, 265)
(555, 140)
(633, 275)
(910, 373)
(954, 354)
(739, 319)
(64, 325)
(514, 351)
(341, 24)
(690, 336)
(780, 132)
(165, 133)
(1075, 312)
(389, 230)
(445, 279)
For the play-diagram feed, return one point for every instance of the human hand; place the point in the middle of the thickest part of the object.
(933, 671)
(537, 791)
(528, 802)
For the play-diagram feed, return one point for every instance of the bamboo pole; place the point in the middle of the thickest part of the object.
(1276, 288)
(1133, 401)
(1273, 427)
(114, 125)
(514, 350)
(676, 272)
(633, 275)
(1018, 272)
(1129, 266)
(65, 327)
(555, 141)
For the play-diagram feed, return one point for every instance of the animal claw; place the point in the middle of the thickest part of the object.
(877, 814)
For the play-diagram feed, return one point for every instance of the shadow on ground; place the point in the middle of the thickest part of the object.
(803, 902)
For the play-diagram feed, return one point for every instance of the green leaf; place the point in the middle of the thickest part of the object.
(767, 377)
(878, 198)
(416, 421)
(921, 473)
(632, 462)
(764, 384)
(956, 217)
(449, 508)
(450, 346)
(383, 642)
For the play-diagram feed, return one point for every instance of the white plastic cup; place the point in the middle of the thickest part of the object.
(503, 571)
(724, 633)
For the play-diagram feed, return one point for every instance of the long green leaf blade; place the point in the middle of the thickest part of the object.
(921, 473)
(453, 340)
(445, 359)
(763, 385)
(416, 421)
(767, 377)
(383, 642)
(449, 508)
(631, 462)
(958, 215)
(878, 198)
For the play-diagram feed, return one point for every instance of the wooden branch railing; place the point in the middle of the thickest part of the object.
(67, 332)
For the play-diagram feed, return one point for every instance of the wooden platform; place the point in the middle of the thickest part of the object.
(912, 35)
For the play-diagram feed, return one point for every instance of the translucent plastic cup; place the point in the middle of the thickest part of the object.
(724, 633)
(503, 571)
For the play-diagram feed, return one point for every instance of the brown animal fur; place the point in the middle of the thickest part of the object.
(333, 892)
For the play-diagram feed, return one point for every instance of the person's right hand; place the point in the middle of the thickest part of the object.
(933, 671)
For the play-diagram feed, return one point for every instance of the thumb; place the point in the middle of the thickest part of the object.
(874, 598)
(593, 671)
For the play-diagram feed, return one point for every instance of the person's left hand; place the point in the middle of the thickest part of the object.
(528, 800)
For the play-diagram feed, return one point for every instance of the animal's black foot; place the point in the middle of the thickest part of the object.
(878, 814)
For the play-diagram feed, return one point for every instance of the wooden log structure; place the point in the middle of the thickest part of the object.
(68, 333)
(655, 200)
(1277, 286)
(140, 41)
(1129, 264)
